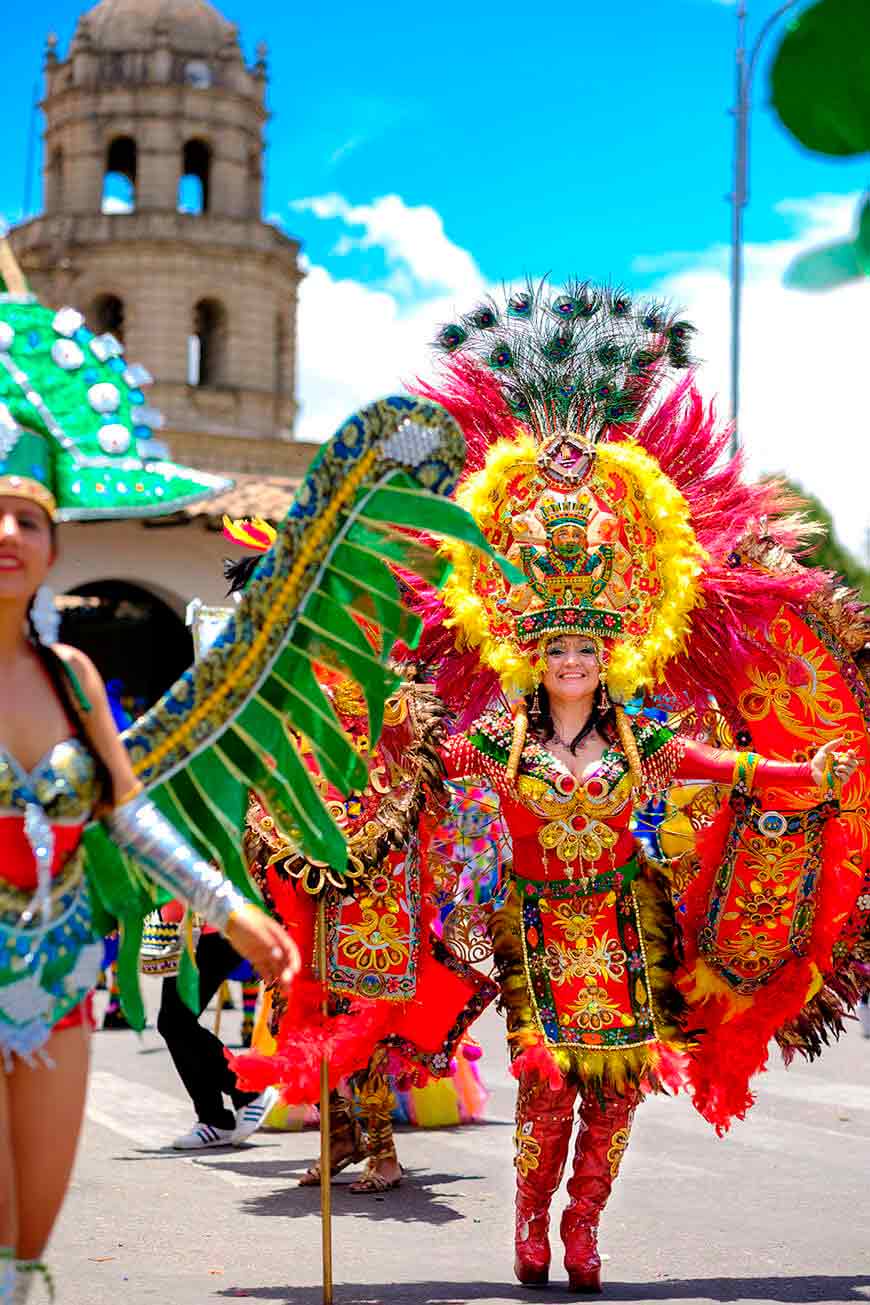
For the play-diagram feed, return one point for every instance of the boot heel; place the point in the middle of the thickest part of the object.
(586, 1281)
(582, 1261)
(532, 1250)
(531, 1275)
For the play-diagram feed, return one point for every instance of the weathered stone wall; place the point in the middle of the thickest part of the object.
(148, 556)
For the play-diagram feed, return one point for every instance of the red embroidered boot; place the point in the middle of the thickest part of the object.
(544, 1122)
(601, 1142)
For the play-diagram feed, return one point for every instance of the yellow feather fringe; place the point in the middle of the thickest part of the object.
(702, 982)
(481, 496)
(634, 663)
(638, 665)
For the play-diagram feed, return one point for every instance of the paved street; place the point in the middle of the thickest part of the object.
(776, 1212)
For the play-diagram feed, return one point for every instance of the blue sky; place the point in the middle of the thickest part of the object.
(544, 142)
(588, 138)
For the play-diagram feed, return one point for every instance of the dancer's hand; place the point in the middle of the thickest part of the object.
(264, 943)
(844, 763)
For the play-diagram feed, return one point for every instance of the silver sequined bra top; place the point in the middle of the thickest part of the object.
(53, 803)
(64, 783)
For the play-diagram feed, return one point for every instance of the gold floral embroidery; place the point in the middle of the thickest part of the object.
(806, 705)
(593, 1009)
(608, 958)
(527, 1150)
(765, 897)
(753, 952)
(600, 958)
(765, 905)
(576, 920)
(376, 943)
(618, 1143)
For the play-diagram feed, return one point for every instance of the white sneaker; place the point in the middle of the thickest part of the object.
(202, 1136)
(253, 1115)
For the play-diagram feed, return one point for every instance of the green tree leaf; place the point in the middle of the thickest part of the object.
(820, 78)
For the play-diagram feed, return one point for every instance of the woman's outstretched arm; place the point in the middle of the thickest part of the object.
(700, 761)
(138, 827)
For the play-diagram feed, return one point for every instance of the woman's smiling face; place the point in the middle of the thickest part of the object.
(26, 547)
(572, 670)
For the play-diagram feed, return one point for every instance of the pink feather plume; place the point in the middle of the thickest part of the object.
(689, 443)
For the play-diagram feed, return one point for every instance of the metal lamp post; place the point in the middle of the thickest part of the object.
(744, 73)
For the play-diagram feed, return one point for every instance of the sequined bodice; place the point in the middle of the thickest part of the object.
(562, 827)
(43, 812)
(64, 783)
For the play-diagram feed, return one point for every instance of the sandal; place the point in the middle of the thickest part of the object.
(372, 1182)
(346, 1132)
(377, 1100)
(311, 1177)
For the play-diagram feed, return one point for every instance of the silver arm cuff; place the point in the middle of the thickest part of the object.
(139, 829)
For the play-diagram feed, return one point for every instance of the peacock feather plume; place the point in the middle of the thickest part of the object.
(578, 358)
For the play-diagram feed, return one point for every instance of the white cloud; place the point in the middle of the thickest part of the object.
(359, 341)
(804, 355)
(356, 344)
(115, 204)
(412, 237)
(803, 407)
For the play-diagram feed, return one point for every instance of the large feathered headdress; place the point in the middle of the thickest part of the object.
(596, 467)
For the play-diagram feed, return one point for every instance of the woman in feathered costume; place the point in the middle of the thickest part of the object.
(74, 445)
(651, 568)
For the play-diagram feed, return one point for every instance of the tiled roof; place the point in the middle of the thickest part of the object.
(251, 496)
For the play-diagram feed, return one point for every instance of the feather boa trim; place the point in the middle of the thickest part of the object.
(423, 1032)
(345, 1041)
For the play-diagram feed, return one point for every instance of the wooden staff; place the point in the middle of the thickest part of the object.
(325, 1148)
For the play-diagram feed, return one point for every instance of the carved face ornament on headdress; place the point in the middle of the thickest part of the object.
(572, 555)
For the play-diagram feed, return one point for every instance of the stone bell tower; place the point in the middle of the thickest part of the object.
(152, 224)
